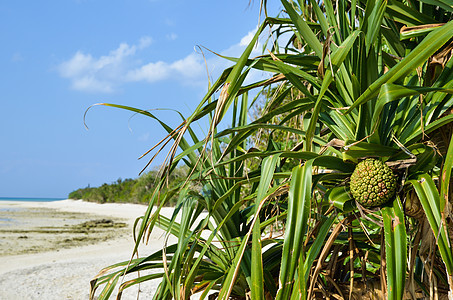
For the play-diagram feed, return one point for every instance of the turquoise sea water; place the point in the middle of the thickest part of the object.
(29, 199)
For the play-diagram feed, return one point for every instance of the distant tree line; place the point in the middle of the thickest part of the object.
(129, 190)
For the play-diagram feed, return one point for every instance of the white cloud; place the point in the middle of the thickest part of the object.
(248, 38)
(106, 73)
(145, 42)
(186, 69)
(237, 49)
(190, 66)
(100, 74)
(91, 84)
(150, 72)
(219, 64)
(76, 66)
(172, 36)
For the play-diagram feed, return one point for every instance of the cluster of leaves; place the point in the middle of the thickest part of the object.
(351, 79)
(131, 190)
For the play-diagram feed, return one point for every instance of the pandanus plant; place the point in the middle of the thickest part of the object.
(267, 211)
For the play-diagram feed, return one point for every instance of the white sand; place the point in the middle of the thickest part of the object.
(66, 273)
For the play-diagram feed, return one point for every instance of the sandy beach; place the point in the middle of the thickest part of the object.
(51, 250)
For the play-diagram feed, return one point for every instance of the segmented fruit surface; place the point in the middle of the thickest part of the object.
(372, 183)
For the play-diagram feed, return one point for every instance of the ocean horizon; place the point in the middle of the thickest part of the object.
(31, 199)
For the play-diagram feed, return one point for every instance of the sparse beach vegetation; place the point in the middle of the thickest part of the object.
(130, 190)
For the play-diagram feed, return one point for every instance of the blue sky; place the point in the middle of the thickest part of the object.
(59, 57)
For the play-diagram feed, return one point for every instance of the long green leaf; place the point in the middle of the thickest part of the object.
(340, 197)
(416, 31)
(298, 214)
(232, 273)
(337, 59)
(416, 134)
(406, 14)
(267, 173)
(313, 253)
(395, 248)
(445, 177)
(430, 44)
(352, 151)
(392, 92)
(374, 22)
(429, 198)
(444, 4)
(303, 29)
(234, 79)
